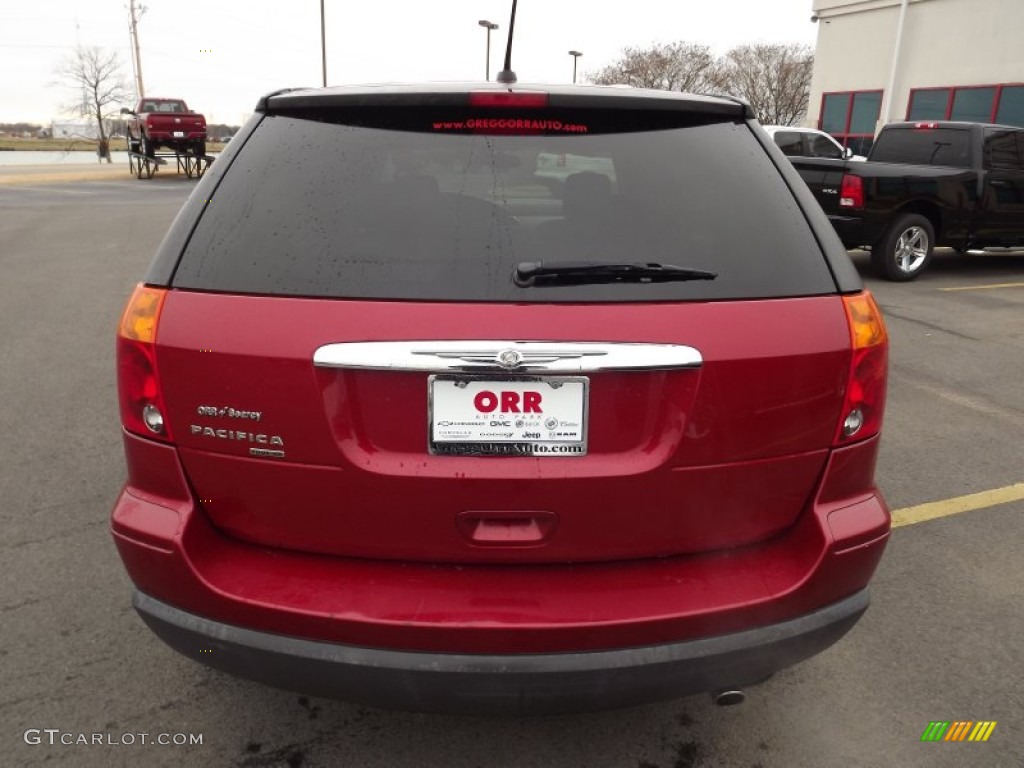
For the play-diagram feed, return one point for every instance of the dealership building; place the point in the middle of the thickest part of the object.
(878, 61)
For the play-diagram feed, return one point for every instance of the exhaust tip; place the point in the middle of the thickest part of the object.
(729, 698)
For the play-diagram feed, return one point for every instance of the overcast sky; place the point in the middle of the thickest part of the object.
(221, 56)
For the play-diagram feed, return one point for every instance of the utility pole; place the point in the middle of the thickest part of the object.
(83, 108)
(136, 56)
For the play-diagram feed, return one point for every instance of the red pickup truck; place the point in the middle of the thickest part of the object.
(166, 123)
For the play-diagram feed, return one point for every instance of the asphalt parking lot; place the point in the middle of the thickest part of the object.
(943, 640)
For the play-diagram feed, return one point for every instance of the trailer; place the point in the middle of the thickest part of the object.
(143, 166)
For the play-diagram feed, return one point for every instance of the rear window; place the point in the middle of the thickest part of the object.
(924, 146)
(398, 204)
(163, 106)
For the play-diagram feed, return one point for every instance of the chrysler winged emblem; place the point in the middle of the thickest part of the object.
(509, 358)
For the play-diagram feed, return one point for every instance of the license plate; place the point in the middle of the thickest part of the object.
(179, 134)
(522, 416)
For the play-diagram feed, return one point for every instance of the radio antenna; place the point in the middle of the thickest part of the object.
(507, 75)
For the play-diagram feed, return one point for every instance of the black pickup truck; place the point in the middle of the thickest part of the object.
(924, 185)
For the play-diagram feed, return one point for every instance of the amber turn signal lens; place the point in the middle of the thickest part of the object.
(866, 325)
(140, 316)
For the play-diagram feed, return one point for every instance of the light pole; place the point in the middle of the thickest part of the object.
(575, 55)
(323, 43)
(488, 25)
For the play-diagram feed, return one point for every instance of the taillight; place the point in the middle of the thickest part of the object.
(142, 405)
(510, 99)
(864, 404)
(851, 192)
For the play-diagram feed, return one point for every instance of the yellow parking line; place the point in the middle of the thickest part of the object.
(991, 287)
(936, 509)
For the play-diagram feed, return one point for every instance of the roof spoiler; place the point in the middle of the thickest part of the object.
(261, 105)
(748, 111)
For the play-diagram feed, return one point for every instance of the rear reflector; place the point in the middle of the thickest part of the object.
(510, 99)
(851, 192)
(142, 406)
(864, 403)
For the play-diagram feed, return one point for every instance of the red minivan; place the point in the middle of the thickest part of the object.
(501, 398)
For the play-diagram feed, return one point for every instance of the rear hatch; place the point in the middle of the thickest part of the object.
(360, 356)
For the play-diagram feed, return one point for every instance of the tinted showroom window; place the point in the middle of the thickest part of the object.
(1003, 103)
(1011, 106)
(929, 104)
(864, 113)
(835, 113)
(424, 209)
(850, 117)
(973, 104)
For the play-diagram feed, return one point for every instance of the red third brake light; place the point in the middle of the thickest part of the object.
(851, 192)
(142, 406)
(511, 99)
(864, 403)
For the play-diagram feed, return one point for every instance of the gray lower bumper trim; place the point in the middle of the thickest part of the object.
(527, 683)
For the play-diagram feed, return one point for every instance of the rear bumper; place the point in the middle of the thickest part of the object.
(856, 231)
(484, 683)
(169, 136)
(565, 632)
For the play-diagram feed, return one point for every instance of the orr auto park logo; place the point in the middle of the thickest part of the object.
(958, 730)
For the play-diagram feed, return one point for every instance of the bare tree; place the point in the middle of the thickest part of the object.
(668, 66)
(95, 75)
(774, 78)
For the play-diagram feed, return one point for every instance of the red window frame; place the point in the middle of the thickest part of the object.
(996, 98)
(844, 137)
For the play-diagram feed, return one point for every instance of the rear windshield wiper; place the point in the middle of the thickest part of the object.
(539, 273)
